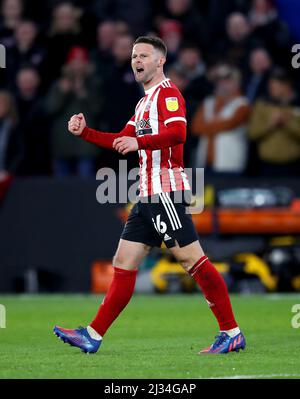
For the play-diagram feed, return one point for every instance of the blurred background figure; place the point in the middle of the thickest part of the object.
(274, 125)
(120, 88)
(77, 90)
(253, 36)
(185, 13)
(11, 145)
(122, 94)
(64, 33)
(269, 29)
(179, 77)
(255, 81)
(192, 64)
(134, 13)
(25, 51)
(11, 15)
(33, 123)
(171, 33)
(189, 74)
(221, 123)
(237, 43)
(102, 56)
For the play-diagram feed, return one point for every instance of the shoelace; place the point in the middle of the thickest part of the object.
(219, 339)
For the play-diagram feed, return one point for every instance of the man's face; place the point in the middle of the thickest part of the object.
(259, 61)
(27, 81)
(226, 87)
(279, 90)
(146, 62)
(122, 48)
(237, 27)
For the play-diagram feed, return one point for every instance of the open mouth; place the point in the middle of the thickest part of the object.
(139, 70)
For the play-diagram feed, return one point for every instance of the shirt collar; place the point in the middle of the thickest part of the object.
(152, 89)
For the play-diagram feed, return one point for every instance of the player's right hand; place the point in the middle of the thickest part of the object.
(76, 124)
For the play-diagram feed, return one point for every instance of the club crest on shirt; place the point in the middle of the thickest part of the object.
(172, 103)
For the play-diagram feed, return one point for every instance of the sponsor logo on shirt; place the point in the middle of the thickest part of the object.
(143, 127)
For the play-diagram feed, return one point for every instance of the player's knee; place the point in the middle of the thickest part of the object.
(118, 260)
(186, 264)
(187, 261)
(124, 262)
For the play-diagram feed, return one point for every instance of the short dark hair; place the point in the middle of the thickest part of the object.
(282, 75)
(155, 41)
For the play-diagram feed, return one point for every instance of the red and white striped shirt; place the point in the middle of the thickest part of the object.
(159, 124)
(161, 170)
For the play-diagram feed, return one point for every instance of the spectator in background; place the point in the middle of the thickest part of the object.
(122, 93)
(33, 123)
(122, 28)
(77, 89)
(215, 13)
(188, 74)
(275, 126)
(171, 33)
(190, 58)
(11, 15)
(179, 77)
(26, 51)
(102, 56)
(135, 13)
(64, 33)
(221, 123)
(235, 47)
(191, 63)
(262, 13)
(193, 26)
(11, 146)
(255, 82)
(269, 30)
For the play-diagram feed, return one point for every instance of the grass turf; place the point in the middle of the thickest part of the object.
(155, 337)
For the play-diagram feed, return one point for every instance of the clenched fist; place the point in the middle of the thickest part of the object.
(125, 144)
(76, 124)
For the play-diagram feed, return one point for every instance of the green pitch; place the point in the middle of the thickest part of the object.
(155, 337)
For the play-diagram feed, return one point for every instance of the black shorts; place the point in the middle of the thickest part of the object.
(160, 218)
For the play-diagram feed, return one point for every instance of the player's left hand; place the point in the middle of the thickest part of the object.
(125, 144)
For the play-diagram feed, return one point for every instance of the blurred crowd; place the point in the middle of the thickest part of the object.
(230, 58)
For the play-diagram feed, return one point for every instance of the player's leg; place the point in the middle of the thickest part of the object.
(212, 284)
(176, 228)
(135, 243)
(126, 261)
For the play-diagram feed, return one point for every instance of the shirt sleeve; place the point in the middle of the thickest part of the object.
(171, 135)
(171, 106)
(131, 122)
(105, 139)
